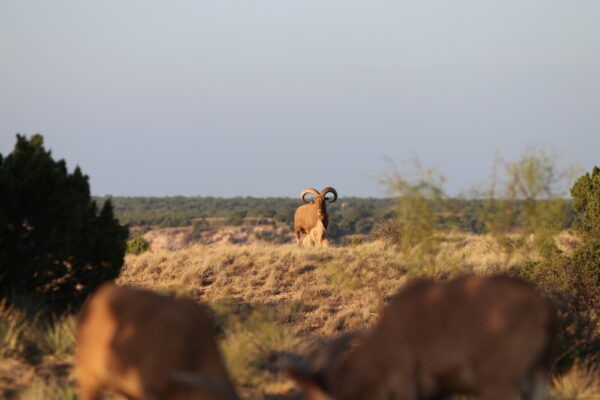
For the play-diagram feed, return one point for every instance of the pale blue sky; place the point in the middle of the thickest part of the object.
(265, 98)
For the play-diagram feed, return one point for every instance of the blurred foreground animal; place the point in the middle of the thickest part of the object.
(311, 219)
(146, 346)
(490, 337)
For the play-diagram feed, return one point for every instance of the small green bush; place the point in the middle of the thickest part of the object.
(267, 236)
(390, 231)
(356, 241)
(137, 245)
(200, 225)
(236, 218)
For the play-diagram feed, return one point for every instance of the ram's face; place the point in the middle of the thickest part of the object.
(321, 208)
(320, 202)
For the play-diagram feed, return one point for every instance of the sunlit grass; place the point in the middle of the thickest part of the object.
(268, 299)
(579, 383)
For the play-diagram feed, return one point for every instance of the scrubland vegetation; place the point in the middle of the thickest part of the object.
(353, 214)
(269, 298)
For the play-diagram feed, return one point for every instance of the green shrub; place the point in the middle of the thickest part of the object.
(573, 281)
(236, 218)
(272, 236)
(389, 231)
(586, 203)
(267, 236)
(356, 241)
(525, 197)
(200, 225)
(419, 195)
(137, 245)
(55, 244)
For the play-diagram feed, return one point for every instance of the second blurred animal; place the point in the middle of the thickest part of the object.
(490, 337)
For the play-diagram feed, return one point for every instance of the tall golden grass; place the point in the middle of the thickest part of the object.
(268, 299)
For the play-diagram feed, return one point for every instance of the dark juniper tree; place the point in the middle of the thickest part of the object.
(55, 245)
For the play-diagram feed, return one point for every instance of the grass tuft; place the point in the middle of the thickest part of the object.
(14, 327)
(57, 337)
(40, 389)
(579, 383)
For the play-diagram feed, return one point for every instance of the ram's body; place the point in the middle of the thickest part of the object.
(311, 219)
(145, 346)
(489, 337)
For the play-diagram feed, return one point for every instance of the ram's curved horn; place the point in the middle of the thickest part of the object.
(329, 189)
(308, 191)
(203, 382)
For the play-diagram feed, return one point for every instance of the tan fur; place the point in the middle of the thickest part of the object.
(490, 337)
(311, 219)
(133, 342)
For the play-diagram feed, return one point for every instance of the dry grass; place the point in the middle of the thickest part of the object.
(271, 298)
(580, 383)
(268, 299)
(50, 389)
(218, 235)
(13, 328)
(36, 356)
(274, 274)
(333, 289)
(266, 275)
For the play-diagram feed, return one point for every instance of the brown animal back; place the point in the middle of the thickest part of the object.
(189, 344)
(129, 339)
(470, 318)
